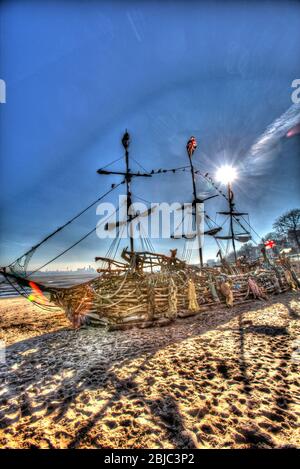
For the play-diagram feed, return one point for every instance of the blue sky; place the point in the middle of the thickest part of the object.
(79, 73)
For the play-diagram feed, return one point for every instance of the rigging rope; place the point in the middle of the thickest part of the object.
(112, 162)
(22, 292)
(209, 221)
(172, 170)
(259, 237)
(142, 167)
(65, 224)
(119, 240)
(27, 255)
(209, 179)
(70, 247)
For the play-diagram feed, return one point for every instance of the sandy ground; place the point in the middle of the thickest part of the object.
(224, 379)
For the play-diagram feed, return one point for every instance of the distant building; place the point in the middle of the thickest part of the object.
(86, 270)
(211, 262)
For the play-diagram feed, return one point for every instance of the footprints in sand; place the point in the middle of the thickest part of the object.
(225, 382)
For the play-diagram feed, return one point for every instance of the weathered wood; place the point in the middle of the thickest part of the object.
(135, 299)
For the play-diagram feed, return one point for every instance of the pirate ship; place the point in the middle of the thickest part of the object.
(142, 288)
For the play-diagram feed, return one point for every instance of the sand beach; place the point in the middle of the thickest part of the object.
(227, 378)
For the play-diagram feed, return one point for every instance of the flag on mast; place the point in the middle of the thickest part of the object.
(191, 146)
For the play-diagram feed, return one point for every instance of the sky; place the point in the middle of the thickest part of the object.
(79, 73)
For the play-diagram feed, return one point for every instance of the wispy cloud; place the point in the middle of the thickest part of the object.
(134, 26)
(276, 131)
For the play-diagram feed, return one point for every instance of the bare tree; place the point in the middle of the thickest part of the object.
(248, 250)
(288, 224)
(274, 235)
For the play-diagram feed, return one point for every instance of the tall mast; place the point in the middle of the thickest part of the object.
(227, 174)
(191, 146)
(231, 212)
(128, 175)
(125, 143)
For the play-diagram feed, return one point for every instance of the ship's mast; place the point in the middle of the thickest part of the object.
(128, 175)
(191, 147)
(231, 213)
(125, 143)
(195, 201)
(227, 174)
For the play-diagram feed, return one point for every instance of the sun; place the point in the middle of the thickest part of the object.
(226, 174)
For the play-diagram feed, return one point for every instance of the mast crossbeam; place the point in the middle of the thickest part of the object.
(120, 173)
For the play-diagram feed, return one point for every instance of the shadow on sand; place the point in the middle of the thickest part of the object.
(47, 373)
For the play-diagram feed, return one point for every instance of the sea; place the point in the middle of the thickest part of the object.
(55, 279)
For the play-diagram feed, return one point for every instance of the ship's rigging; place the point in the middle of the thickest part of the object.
(20, 266)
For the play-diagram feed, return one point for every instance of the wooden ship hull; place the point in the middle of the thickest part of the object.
(146, 288)
(147, 299)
